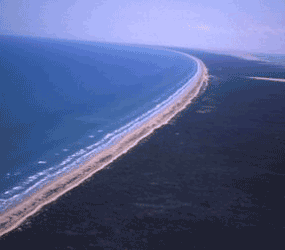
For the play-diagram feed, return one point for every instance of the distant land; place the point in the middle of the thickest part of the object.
(268, 79)
(278, 58)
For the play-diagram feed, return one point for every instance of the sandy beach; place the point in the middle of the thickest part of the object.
(268, 79)
(15, 215)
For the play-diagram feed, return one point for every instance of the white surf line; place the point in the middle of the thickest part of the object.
(268, 79)
(199, 78)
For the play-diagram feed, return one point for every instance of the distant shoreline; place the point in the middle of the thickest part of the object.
(238, 54)
(16, 214)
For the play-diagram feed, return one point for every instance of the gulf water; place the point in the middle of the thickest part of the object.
(62, 100)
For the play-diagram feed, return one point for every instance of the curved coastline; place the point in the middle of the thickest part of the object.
(16, 214)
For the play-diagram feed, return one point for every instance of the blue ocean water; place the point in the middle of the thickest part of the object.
(212, 176)
(62, 100)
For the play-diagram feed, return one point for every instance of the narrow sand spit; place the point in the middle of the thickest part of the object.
(268, 79)
(16, 214)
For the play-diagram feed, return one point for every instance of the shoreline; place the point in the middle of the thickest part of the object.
(16, 214)
(239, 54)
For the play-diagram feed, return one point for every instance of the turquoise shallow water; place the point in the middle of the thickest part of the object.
(60, 100)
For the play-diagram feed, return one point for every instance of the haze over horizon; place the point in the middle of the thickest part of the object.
(256, 25)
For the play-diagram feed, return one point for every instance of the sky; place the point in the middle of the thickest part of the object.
(246, 25)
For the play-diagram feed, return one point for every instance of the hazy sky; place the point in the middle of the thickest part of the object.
(253, 25)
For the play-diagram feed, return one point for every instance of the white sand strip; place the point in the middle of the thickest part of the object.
(268, 79)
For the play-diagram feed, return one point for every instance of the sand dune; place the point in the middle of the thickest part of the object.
(16, 214)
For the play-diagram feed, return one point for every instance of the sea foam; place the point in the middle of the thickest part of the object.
(85, 154)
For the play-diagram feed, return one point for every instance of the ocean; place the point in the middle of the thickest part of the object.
(63, 101)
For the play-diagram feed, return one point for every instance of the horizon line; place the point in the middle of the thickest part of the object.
(142, 44)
